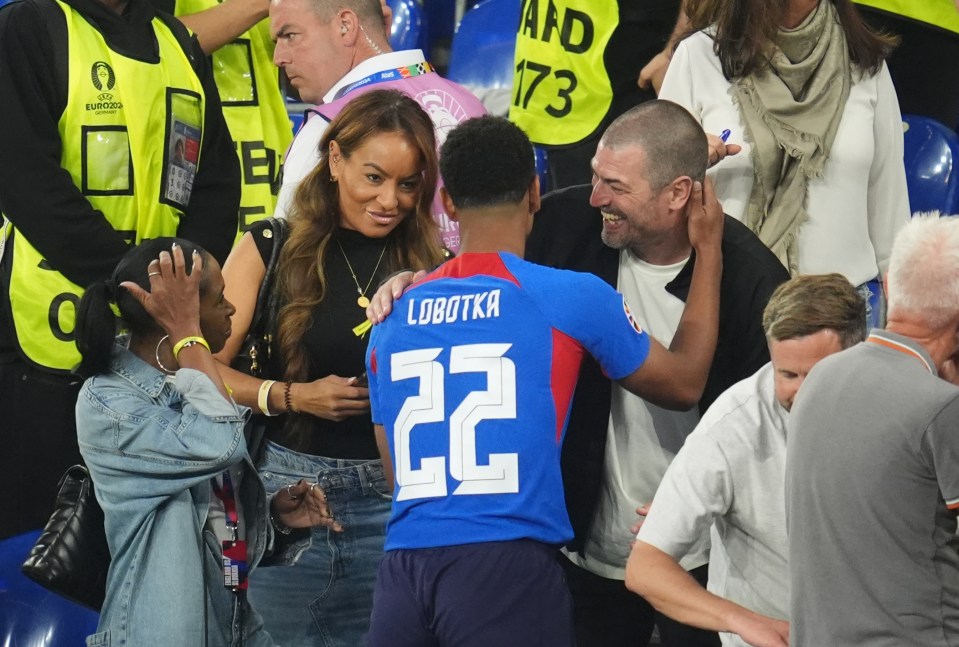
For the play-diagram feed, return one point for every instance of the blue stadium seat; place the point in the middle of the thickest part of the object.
(482, 51)
(932, 165)
(409, 25)
(31, 616)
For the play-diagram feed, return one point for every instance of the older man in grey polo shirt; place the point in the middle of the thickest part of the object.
(872, 479)
(730, 475)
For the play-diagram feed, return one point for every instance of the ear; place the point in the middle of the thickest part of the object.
(347, 26)
(335, 158)
(534, 198)
(448, 205)
(679, 192)
(387, 18)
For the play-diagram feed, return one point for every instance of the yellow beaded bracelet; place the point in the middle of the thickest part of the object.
(187, 342)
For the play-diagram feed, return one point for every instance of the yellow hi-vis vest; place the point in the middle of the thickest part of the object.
(122, 127)
(249, 87)
(941, 13)
(561, 90)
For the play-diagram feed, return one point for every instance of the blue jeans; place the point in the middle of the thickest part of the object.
(327, 596)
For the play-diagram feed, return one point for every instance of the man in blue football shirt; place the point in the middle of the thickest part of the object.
(470, 385)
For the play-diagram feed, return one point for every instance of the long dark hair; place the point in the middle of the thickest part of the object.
(106, 308)
(745, 28)
(301, 276)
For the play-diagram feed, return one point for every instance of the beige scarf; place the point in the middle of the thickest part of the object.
(791, 110)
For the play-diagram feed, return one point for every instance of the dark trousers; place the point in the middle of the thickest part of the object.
(607, 614)
(38, 442)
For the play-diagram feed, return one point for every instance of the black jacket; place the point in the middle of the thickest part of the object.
(566, 234)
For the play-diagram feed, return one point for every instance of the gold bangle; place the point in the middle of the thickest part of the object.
(263, 397)
(186, 342)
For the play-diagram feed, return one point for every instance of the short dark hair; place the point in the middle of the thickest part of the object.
(486, 161)
(804, 305)
(674, 142)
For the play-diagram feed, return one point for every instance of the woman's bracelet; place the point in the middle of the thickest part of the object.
(186, 342)
(287, 400)
(263, 397)
(278, 525)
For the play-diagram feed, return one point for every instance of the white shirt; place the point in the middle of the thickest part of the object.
(731, 474)
(304, 153)
(641, 437)
(860, 202)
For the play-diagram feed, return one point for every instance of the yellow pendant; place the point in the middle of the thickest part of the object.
(362, 301)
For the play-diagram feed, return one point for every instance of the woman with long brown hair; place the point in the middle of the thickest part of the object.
(361, 214)
(802, 85)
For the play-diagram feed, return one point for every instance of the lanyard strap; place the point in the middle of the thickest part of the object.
(404, 72)
(227, 496)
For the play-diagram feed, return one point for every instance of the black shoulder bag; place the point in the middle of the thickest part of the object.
(257, 347)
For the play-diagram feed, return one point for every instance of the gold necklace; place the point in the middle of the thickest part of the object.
(362, 299)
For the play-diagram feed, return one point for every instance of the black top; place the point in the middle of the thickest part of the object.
(39, 197)
(333, 348)
(566, 234)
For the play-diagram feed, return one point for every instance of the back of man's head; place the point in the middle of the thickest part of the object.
(807, 304)
(674, 142)
(923, 278)
(487, 161)
(370, 12)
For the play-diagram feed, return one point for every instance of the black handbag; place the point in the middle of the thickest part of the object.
(71, 556)
(257, 347)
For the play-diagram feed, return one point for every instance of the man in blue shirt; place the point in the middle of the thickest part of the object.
(470, 385)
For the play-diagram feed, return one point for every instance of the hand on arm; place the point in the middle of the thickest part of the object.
(223, 23)
(675, 378)
(660, 579)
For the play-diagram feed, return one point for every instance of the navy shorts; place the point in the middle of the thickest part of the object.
(498, 593)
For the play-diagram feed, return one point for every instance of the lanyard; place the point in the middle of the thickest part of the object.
(404, 72)
(227, 496)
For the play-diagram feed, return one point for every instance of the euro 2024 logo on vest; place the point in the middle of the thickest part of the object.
(104, 79)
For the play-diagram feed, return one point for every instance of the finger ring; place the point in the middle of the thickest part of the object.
(153, 273)
(312, 486)
(289, 491)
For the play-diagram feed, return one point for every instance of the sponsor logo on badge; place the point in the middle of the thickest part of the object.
(104, 80)
(632, 320)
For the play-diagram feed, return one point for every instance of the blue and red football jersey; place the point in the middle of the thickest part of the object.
(472, 376)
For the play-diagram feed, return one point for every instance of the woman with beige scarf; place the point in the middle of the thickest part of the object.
(802, 85)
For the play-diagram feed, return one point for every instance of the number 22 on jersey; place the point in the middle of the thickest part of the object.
(498, 402)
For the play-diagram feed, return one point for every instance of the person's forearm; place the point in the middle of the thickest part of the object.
(698, 331)
(657, 577)
(223, 23)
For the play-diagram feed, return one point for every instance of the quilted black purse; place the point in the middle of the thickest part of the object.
(71, 556)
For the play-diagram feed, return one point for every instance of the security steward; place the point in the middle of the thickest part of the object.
(576, 64)
(112, 133)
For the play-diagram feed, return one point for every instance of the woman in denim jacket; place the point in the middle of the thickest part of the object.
(186, 516)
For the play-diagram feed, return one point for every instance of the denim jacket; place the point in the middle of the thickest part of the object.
(152, 447)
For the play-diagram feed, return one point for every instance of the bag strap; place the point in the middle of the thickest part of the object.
(267, 299)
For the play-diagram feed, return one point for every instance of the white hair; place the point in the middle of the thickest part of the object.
(924, 270)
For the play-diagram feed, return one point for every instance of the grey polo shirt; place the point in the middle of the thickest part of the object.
(871, 474)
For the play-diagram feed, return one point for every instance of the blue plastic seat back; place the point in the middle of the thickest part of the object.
(30, 615)
(409, 25)
(482, 50)
(932, 165)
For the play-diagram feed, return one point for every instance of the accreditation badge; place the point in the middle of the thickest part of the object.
(182, 150)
